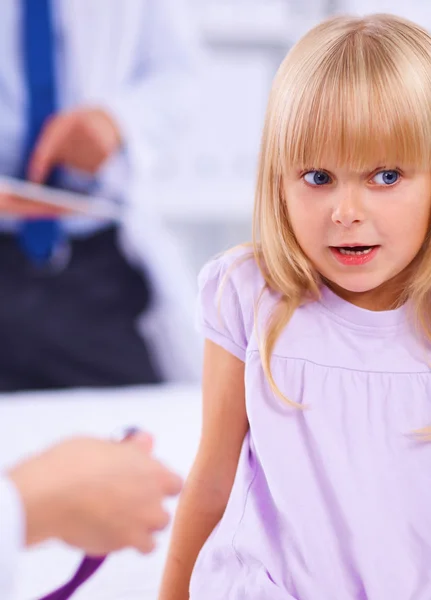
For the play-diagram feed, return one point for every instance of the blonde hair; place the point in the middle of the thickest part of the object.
(359, 90)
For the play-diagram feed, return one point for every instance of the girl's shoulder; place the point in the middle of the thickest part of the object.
(229, 288)
(235, 269)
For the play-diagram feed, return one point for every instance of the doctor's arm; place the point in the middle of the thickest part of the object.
(93, 494)
(11, 534)
(140, 118)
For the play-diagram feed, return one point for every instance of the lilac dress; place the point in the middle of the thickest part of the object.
(334, 502)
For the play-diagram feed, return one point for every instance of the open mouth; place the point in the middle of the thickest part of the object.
(354, 250)
(354, 255)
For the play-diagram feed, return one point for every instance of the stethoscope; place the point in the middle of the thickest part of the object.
(89, 564)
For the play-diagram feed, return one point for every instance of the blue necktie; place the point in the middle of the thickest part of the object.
(38, 237)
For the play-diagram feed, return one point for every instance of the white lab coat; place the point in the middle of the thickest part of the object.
(12, 524)
(138, 59)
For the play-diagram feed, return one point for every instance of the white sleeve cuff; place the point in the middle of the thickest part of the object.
(12, 533)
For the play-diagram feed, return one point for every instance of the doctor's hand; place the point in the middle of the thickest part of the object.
(96, 495)
(82, 139)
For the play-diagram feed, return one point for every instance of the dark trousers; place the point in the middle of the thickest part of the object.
(76, 327)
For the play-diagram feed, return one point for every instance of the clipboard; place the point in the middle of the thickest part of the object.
(78, 203)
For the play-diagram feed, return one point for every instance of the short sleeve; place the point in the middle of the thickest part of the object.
(225, 308)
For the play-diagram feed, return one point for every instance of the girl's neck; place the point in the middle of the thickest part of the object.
(388, 296)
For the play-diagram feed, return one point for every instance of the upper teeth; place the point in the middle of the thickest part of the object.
(350, 251)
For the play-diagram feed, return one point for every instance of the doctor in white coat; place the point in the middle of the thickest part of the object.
(109, 304)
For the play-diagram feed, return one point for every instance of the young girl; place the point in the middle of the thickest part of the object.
(310, 482)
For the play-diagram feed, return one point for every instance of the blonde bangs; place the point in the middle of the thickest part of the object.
(357, 103)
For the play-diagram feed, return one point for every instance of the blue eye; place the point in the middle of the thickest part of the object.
(317, 178)
(386, 177)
